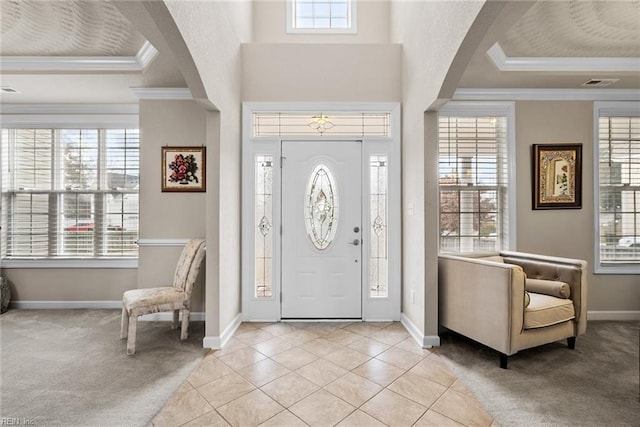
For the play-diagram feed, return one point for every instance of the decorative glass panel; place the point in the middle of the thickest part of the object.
(321, 124)
(378, 257)
(321, 207)
(264, 225)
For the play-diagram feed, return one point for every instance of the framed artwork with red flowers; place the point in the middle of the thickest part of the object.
(557, 176)
(184, 169)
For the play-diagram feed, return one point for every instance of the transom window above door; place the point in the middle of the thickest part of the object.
(326, 124)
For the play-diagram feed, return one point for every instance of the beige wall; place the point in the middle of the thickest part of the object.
(321, 72)
(566, 232)
(61, 284)
(168, 215)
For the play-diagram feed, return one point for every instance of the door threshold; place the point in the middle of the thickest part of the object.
(320, 320)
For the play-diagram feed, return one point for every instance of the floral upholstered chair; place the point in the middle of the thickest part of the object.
(176, 298)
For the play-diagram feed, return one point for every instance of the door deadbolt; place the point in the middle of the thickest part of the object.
(356, 229)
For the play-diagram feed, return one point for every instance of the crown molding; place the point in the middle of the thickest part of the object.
(69, 115)
(138, 63)
(69, 109)
(578, 64)
(175, 93)
(146, 55)
(590, 94)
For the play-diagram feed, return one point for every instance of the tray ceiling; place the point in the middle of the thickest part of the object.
(66, 28)
(576, 29)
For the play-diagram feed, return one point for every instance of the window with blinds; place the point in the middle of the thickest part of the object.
(70, 193)
(473, 183)
(618, 191)
(309, 16)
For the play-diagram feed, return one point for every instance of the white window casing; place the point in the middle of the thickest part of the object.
(70, 187)
(476, 177)
(617, 187)
(321, 16)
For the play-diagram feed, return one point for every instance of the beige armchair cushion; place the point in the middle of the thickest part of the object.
(545, 310)
(152, 300)
(548, 287)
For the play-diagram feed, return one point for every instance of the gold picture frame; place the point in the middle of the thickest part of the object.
(184, 169)
(557, 176)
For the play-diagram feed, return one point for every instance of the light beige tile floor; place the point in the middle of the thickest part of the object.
(322, 374)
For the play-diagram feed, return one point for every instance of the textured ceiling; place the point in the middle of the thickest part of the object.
(576, 29)
(65, 28)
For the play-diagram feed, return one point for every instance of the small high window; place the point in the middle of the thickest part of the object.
(321, 16)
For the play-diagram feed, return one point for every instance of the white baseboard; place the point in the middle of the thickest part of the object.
(96, 305)
(424, 341)
(216, 343)
(62, 305)
(619, 315)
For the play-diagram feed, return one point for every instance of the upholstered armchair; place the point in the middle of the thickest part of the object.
(511, 301)
(176, 298)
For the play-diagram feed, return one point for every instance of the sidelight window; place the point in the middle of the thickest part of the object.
(264, 225)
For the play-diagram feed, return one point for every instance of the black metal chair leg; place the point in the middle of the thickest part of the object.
(571, 343)
(503, 361)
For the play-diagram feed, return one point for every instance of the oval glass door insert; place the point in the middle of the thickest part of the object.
(321, 207)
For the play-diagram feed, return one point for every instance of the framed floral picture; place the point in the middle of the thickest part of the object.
(184, 169)
(557, 176)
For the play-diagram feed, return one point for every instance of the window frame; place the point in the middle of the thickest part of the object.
(608, 109)
(70, 116)
(291, 29)
(487, 109)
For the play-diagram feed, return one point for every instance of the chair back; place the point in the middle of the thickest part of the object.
(189, 266)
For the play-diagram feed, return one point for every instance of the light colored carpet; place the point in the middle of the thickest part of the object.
(69, 367)
(597, 384)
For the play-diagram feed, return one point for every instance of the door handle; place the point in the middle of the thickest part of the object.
(355, 242)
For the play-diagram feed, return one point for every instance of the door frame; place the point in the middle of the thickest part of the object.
(268, 308)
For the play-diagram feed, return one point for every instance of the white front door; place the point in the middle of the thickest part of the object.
(321, 229)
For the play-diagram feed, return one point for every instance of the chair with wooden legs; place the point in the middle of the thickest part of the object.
(176, 298)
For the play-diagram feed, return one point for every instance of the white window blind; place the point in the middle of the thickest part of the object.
(70, 193)
(618, 192)
(473, 183)
(321, 16)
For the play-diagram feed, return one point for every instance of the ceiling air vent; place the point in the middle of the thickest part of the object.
(6, 89)
(600, 82)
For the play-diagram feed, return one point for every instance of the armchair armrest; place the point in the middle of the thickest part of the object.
(482, 299)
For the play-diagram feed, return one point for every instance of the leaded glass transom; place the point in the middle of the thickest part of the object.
(321, 207)
(324, 124)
